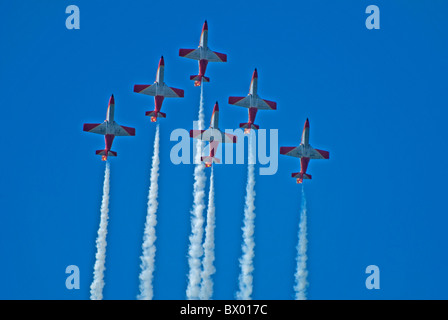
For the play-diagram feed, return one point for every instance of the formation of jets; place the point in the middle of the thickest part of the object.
(253, 102)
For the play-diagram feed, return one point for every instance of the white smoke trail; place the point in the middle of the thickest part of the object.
(246, 261)
(209, 246)
(200, 143)
(195, 249)
(149, 237)
(96, 288)
(302, 272)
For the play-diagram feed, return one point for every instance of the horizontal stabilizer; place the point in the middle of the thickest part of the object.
(210, 160)
(300, 176)
(103, 153)
(248, 126)
(154, 115)
(197, 79)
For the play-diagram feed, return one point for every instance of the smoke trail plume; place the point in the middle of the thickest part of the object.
(149, 237)
(96, 288)
(301, 272)
(209, 246)
(195, 249)
(246, 261)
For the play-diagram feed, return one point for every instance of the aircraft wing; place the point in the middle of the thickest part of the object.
(169, 92)
(194, 54)
(291, 151)
(320, 154)
(197, 134)
(213, 56)
(240, 101)
(311, 153)
(215, 134)
(228, 138)
(256, 103)
(265, 104)
(99, 128)
(148, 89)
(123, 131)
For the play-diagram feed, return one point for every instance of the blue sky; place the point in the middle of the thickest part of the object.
(376, 99)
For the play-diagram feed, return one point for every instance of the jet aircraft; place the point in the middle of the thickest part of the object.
(253, 102)
(305, 152)
(204, 55)
(110, 129)
(160, 91)
(214, 136)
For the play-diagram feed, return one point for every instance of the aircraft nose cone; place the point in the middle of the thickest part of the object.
(255, 75)
(112, 100)
(205, 26)
(162, 61)
(307, 123)
(216, 107)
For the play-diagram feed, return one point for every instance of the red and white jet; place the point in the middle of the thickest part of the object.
(204, 55)
(305, 152)
(160, 91)
(253, 102)
(214, 136)
(109, 128)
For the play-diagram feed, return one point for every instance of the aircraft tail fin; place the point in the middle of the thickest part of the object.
(248, 126)
(210, 160)
(197, 79)
(300, 176)
(103, 154)
(154, 115)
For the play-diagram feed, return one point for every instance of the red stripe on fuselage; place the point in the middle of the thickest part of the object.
(202, 67)
(109, 139)
(158, 100)
(252, 115)
(213, 148)
(304, 164)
